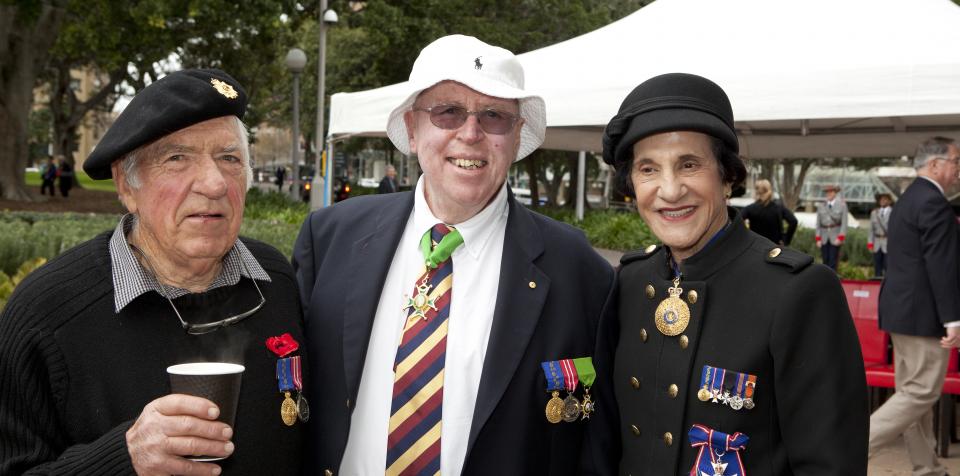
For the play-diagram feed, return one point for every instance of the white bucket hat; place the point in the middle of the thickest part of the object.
(487, 69)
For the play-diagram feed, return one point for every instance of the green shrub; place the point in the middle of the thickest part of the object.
(8, 284)
(611, 229)
(274, 207)
(28, 235)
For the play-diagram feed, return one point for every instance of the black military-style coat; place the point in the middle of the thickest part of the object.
(755, 308)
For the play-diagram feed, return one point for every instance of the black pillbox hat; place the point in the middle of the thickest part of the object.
(174, 102)
(669, 102)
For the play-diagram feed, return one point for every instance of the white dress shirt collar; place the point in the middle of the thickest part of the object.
(475, 231)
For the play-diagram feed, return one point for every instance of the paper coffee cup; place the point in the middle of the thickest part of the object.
(218, 382)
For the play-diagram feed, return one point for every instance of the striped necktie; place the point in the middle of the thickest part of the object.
(413, 443)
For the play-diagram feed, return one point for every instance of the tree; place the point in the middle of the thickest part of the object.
(27, 31)
(130, 46)
(376, 42)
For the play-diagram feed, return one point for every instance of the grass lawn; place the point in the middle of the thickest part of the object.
(33, 179)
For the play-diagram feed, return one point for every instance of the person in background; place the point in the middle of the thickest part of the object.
(920, 304)
(48, 175)
(86, 339)
(65, 177)
(718, 345)
(877, 239)
(765, 216)
(389, 182)
(831, 226)
(278, 177)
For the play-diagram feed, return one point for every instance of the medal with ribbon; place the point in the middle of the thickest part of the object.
(554, 374)
(288, 409)
(571, 406)
(303, 408)
(719, 453)
(587, 375)
(289, 378)
(748, 390)
(734, 389)
(705, 383)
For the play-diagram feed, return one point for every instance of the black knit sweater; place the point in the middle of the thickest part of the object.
(75, 375)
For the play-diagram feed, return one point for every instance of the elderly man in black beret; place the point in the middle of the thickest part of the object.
(86, 339)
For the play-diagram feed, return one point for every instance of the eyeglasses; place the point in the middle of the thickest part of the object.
(450, 117)
(205, 328)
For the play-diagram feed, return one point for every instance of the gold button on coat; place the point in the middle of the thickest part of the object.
(635, 430)
(673, 390)
(668, 438)
(692, 297)
(650, 249)
(533, 285)
(650, 291)
(643, 335)
(774, 253)
(327, 472)
(634, 382)
(684, 341)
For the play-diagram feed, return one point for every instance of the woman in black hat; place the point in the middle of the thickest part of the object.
(729, 355)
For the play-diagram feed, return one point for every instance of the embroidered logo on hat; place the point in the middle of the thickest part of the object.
(477, 64)
(224, 88)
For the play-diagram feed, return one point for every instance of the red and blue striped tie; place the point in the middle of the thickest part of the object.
(413, 444)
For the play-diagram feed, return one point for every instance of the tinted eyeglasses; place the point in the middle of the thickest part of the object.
(450, 117)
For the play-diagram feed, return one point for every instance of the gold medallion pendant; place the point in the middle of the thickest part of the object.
(288, 410)
(673, 315)
(554, 408)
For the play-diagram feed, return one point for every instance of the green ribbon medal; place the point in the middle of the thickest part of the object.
(434, 255)
(587, 375)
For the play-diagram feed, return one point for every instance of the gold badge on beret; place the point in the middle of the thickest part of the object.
(224, 88)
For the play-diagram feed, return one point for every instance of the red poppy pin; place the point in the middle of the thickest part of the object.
(282, 345)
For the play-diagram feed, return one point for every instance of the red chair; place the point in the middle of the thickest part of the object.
(862, 298)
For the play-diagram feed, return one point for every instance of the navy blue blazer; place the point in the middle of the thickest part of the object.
(921, 289)
(342, 257)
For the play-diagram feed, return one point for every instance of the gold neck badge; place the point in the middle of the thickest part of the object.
(673, 315)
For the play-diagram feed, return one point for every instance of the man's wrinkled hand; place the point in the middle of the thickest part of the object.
(173, 427)
(952, 339)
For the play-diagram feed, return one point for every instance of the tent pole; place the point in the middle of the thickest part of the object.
(581, 172)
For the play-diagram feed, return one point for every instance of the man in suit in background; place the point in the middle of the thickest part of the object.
(920, 304)
(831, 226)
(389, 182)
(433, 315)
(877, 240)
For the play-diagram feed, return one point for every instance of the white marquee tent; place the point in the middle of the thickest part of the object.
(816, 78)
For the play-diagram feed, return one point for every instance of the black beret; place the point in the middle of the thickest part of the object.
(176, 101)
(669, 102)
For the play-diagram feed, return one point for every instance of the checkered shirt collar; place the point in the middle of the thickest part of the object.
(130, 280)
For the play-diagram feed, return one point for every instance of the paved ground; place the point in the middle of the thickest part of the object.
(893, 461)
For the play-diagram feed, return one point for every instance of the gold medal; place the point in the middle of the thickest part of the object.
(703, 395)
(554, 408)
(673, 315)
(288, 410)
(571, 409)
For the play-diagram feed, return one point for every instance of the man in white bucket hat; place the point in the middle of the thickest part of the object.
(458, 320)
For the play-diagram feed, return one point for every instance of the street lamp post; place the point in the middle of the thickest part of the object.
(296, 60)
(318, 200)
